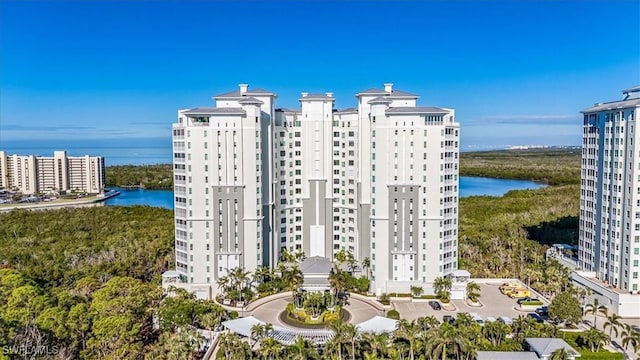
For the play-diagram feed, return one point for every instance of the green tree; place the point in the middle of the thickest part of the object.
(408, 331)
(376, 343)
(473, 291)
(594, 338)
(270, 348)
(565, 307)
(560, 354)
(122, 311)
(293, 278)
(417, 290)
(366, 266)
(495, 332)
(613, 323)
(629, 337)
(595, 308)
(302, 350)
(442, 288)
(339, 330)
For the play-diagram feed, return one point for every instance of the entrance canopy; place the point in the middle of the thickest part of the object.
(378, 325)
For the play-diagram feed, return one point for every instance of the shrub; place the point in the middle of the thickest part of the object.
(402, 295)
(233, 314)
(393, 314)
(430, 297)
(532, 303)
(384, 299)
(416, 290)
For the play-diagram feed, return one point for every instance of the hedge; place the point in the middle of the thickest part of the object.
(393, 314)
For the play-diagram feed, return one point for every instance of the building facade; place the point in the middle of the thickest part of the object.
(609, 233)
(32, 174)
(379, 180)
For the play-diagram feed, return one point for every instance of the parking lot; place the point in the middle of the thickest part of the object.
(494, 304)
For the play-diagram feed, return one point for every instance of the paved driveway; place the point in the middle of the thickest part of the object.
(269, 310)
(494, 304)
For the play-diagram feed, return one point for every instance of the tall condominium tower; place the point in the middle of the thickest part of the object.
(609, 242)
(379, 181)
(59, 173)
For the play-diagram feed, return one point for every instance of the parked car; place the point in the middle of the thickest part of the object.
(520, 293)
(490, 319)
(477, 318)
(435, 305)
(526, 299)
(542, 311)
(505, 320)
(535, 317)
(449, 318)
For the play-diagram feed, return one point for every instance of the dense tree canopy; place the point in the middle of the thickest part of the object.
(147, 176)
(86, 282)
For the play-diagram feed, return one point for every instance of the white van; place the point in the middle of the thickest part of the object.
(505, 320)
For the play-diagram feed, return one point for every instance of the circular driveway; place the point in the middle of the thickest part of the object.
(268, 310)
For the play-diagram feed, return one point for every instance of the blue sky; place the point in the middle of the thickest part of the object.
(517, 72)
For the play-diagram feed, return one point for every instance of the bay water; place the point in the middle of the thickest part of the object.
(148, 151)
(469, 186)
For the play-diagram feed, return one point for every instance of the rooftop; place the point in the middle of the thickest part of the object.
(242, 92)
(613, 105)
(315, 265)
(546, 346)
(214, 111)
(416, 110)
(507, 355)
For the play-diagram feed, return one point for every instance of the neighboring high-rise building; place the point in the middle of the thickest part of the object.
(609, 235)
(32, 174)
(379, 181)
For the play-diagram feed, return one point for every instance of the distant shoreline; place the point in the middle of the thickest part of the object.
(95, 200)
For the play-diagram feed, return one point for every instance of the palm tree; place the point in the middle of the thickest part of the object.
(595, 338)
(442, 287)
(338, 328)
(366, 266)
(270, 348)
(337, 280)
(302, 349)
(629, 336)
(495, 332)
(473, 291)
(293, 278)
(595, 308)
(351, 334)
(223, 283)
(613, 323)
(446, 340)
(239, 278)
(257, 333)
(464, 320)
(560, 354)
(427, 322)
(408, 331)
(229, 344)
(376, 342)
(212, 319)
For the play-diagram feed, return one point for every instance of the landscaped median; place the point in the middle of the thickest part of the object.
(529, 306)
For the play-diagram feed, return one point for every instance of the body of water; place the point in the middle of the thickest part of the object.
(157, 198)
(473, 186)
(469, 186)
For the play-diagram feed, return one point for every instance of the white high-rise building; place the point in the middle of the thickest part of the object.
(31, 174)
(609, 235)
(379, 181)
